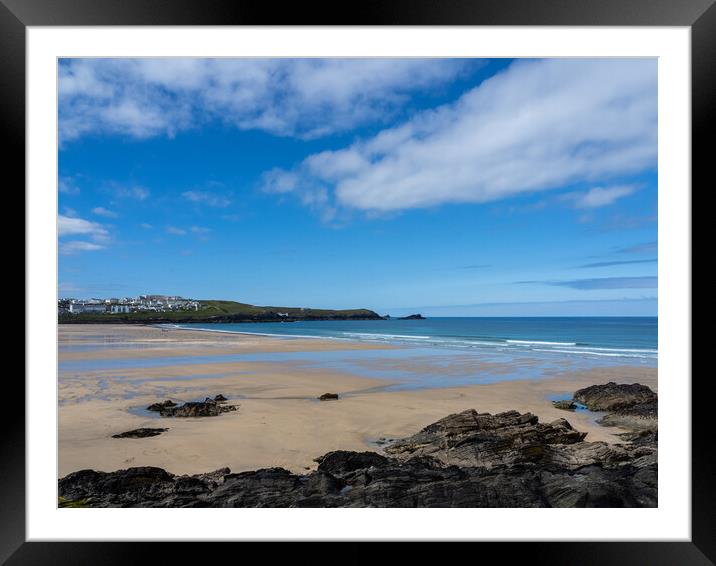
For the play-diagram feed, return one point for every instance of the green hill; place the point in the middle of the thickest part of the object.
(223, 311)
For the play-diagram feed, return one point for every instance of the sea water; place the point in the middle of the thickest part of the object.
(435, 352)
(593, 337)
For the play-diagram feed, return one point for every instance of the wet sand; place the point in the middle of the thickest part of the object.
(279, 421)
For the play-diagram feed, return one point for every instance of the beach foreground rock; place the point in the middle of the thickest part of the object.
(207, 408)
(631, 406)
(328, 397)
(468, 459)
(158, 407)
(564, 404)
(140, 433)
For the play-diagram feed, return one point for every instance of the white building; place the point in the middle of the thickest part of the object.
(119, 308)
(76, 308)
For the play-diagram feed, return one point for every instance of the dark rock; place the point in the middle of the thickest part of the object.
(646, 437)
(612, 396)
(219, 398)
(329, 397)
(342, 461)
(506, 460)
(140, 433)
(158, 407)
(206, 408)
(630, 406)
(481, 439)
(564, 404)
(216, 477)
(412, 317)
(631, 420)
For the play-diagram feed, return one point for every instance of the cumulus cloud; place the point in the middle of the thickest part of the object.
(207, 198)
(135, 192)
(73, 226)
(73, 247)
(536, 126)
(102, 211)
(70, 226)
(68, 186)
(289, 97)
(600, 196)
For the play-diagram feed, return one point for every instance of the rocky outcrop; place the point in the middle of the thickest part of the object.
(615, 396)
(469, 459)
(564, 404)
(631, 406)
(207, 408)
(141, 433)
(328, 397)
(481, 439)
(412, 317)
(158, 407)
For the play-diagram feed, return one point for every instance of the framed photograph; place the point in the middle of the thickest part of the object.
(420, 275)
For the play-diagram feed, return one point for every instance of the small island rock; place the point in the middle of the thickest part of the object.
(141, 433)
(159, 407)
(564, 404)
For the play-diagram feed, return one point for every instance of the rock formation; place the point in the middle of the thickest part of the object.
(468, 459)
(207, 408)
(158, 407)
(564, 404)
(141, 433)
(632, 406)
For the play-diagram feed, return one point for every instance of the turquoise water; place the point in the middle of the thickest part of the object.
(437, 352)
(587, 337)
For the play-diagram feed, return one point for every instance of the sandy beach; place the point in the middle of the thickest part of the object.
(279, 421)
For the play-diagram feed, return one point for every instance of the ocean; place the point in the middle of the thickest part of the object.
(627, 339)
(430, 353)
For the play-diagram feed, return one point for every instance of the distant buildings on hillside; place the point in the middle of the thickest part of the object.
(143, 303)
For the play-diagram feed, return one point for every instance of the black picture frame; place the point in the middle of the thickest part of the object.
(699, 15)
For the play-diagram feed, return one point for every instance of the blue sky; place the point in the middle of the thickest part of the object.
(445, 186)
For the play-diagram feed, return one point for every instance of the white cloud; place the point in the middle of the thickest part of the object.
(73, 227)
(207, 198)
(101, 211)
(67, 186)
(303, 97)
(539, 125)
(200, 230)
(131, 191)
(279, 181)
(75, 246)
(175, 231)
(600, 196)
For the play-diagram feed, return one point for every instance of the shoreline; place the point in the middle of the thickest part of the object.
(279, 421)
(648, 355)
(268, 334)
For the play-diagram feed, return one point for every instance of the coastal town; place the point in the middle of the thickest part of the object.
(114, 305)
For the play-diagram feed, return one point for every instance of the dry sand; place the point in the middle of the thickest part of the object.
(279, 421)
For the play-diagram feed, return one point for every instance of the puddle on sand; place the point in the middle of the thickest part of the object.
(594, 416)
